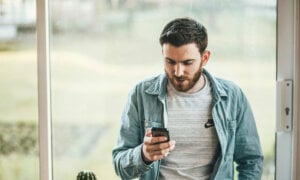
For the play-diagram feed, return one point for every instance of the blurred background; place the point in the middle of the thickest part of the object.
(99, 50)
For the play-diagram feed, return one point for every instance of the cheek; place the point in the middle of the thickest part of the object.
(169, 68)
(192, 70)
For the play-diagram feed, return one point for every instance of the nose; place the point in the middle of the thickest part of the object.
(179, 70)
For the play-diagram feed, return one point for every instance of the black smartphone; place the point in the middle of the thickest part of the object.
(157, 131)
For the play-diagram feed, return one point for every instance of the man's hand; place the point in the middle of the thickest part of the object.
(154, 148)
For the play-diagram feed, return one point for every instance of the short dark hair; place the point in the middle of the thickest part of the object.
(181, 31)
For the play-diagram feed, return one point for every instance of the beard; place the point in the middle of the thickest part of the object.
(184, 83)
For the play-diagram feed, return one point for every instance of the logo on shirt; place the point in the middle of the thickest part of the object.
(209, 123)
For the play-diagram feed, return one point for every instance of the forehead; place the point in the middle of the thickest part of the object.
(187, 51)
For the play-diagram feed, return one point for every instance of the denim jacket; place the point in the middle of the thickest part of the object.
(233, 118)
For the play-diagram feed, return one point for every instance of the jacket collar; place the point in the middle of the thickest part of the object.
(218, 89)
(159, 86)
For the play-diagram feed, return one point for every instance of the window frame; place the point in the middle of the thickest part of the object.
(288, 62)
(296, 163)
(287, 141)
(44, 90)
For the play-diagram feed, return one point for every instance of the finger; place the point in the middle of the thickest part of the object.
(172, 145)
(162, 148)
(157, 157)
(150, 147)
(147, 140)
(160, 139)
(164, 145)
(166, 154)
(151, 151)
(154, 140)
(158, 151)
(148, 136)
(148, 132)
(158, 154)
(152, 155)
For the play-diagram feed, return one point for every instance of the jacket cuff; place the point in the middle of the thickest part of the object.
(138, 160)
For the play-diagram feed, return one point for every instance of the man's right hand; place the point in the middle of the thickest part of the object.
(155, 148)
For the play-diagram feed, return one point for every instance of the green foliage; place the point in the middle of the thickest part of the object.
(19, 137)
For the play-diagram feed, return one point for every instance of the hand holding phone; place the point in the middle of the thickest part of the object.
(157, 149)
(157, 132)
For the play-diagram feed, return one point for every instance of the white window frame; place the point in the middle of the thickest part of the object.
(288, 141)
(296, 159)
(44, 89)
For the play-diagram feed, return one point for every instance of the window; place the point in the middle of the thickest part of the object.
(18, 91)
(100, 49)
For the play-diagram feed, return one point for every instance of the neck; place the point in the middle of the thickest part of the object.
(198, 86)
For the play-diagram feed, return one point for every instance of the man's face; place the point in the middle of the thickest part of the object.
(183, 65)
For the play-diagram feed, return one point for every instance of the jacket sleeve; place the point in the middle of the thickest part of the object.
(127, 158)
(247, 154)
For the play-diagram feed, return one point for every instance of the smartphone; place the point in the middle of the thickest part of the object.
(157, 131)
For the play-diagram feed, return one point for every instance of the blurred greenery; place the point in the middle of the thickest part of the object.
(20, 138)
(96, 61)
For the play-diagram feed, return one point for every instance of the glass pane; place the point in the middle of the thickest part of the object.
(18, 91)
(100, 49)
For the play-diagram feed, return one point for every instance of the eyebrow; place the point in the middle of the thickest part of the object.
(180, 61)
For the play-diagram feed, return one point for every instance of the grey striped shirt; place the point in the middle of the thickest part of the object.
(191, 126)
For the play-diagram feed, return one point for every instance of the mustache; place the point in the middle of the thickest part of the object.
(180, 78)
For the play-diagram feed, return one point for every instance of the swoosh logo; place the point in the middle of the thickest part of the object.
(209, 123)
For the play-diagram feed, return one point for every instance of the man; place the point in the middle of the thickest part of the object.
(209, 119)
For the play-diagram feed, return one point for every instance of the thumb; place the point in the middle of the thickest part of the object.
(148, 132)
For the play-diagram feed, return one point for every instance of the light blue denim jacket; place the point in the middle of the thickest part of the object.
(234, 122)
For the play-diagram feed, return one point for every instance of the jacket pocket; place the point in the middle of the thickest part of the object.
(231, 136)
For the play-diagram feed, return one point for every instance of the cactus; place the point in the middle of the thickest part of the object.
(86, 175)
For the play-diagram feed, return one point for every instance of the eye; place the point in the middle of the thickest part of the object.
(169, 61)
(188, 62)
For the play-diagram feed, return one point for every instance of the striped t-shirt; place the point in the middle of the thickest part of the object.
(191, 126)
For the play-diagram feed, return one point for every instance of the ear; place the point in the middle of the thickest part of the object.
(205, 57)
